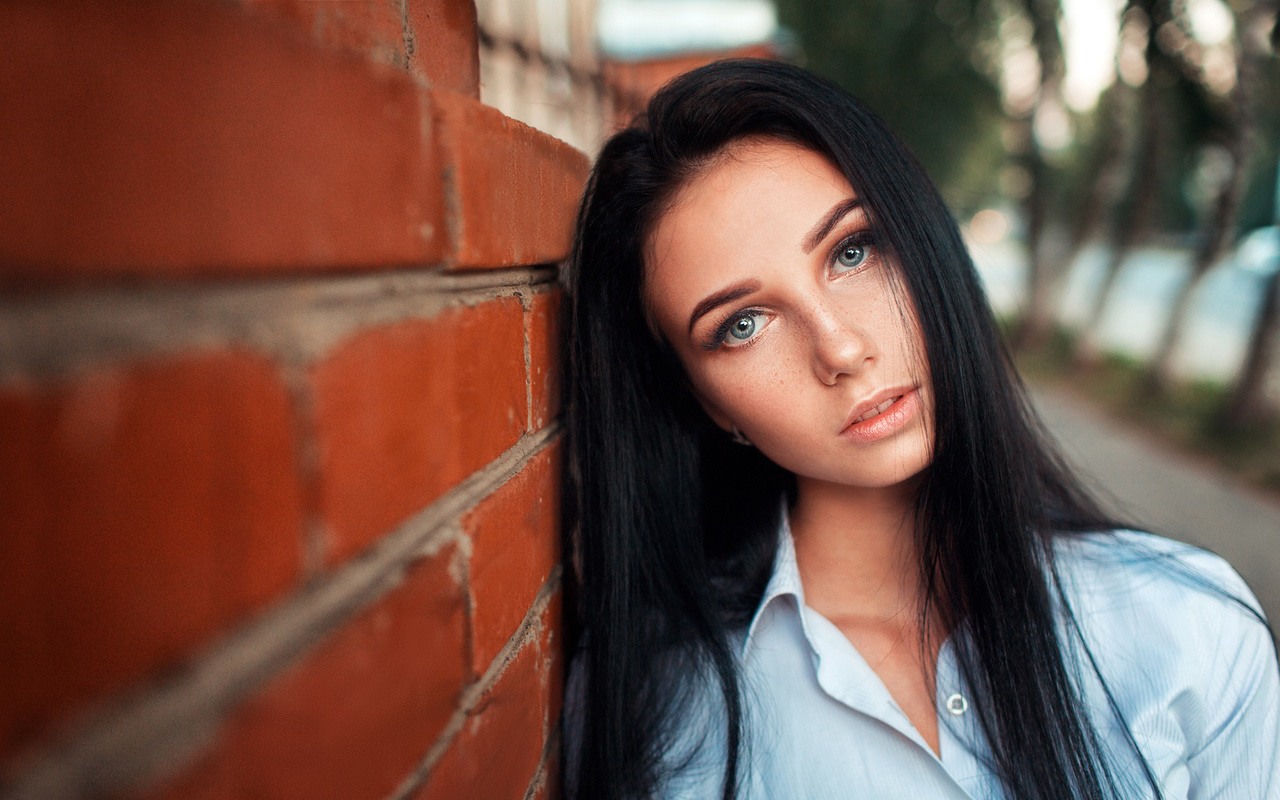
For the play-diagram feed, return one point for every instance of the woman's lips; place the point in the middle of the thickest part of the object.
(883, 420)
(880, 409)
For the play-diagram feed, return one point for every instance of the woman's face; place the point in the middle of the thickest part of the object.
(765, 277)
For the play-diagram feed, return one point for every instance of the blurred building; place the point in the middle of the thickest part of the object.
(580, 69)
(539, 63)
(648, 42)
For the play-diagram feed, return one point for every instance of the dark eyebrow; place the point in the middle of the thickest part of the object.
(726, 295)
(824, 226)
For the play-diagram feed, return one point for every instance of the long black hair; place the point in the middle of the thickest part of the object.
(671, 559)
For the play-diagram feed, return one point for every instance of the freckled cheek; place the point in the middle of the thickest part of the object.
(753, 394)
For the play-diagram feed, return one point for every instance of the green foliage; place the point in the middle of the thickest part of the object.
(928, 68)
(917, 65)
(1258, 206)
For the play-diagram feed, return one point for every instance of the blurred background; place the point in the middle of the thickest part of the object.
(1113, 165)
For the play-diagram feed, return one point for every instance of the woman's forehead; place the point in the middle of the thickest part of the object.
(766, 192)
(760, 159)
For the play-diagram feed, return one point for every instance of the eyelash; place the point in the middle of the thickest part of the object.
(864, 238)
(716, 338)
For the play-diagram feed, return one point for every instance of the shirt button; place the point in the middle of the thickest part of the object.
(957, 705)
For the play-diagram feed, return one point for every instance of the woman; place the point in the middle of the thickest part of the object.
(823, 546)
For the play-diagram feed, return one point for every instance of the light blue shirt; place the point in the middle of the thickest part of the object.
(1194, 674)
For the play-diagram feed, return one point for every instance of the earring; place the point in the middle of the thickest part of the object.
(738, 438)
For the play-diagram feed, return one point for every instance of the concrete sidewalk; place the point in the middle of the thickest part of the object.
(1170, 493)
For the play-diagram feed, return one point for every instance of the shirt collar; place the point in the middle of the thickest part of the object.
(783, 582)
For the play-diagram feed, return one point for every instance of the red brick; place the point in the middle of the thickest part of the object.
(515, 545)
(354, 718)
(551, 788)
(551, 668)
(208, 778)
(442, 45)
(372, 28)
(445, 47)
(551, 649)
(514, 191)
(497, 753)
(146, 508)
(406, 411)
(198, 138)
(544, 358)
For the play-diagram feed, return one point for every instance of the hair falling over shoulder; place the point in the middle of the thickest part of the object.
(671, 557)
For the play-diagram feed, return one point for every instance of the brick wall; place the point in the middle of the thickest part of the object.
(278, 429)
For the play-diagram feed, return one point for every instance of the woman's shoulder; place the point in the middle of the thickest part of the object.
(1186, 654)
(1156, 610)
(1149, 572)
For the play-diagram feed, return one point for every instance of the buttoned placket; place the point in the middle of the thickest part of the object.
(960, 736)
(846, 677)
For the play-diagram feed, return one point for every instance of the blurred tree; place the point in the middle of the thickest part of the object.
(1232, 128)
(1042, 267)
(1096, 180)
(1137, 206)
(1248, 404)
(928, 68)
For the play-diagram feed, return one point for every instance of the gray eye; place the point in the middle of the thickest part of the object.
(743, 328)
(851, 255)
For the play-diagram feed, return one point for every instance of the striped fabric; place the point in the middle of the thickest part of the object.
(1194, 674)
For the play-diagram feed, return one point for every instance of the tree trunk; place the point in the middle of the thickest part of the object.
(1235, 119)
(1037, 320)
(1248, 404)
(1106, 171)
(1141, 194)
(1088, 350)
(1221, 224)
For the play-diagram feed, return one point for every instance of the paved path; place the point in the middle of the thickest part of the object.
(1170, 493)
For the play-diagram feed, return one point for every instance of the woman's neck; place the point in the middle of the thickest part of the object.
(855, 548)
(856, 553)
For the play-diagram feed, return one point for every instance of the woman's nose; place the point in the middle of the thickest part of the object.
(839, 347)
